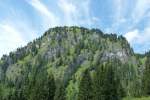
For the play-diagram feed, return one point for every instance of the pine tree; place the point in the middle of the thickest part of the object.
(85, 88)
(0, 92)
(146, 79)
(60, 92)
(43, 88)
(111, 85)
(99, 83)
(107, 85)
(51, 87)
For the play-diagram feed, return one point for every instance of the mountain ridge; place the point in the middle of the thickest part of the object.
(67, 52)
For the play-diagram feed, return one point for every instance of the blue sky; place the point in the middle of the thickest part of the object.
(22, 21)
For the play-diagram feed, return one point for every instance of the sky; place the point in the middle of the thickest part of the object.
(21, 21)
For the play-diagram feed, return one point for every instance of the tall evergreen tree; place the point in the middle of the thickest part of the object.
(50, 87)
(99, 83)
(0, 92)
(111, 85)
(85, 87)
(107, 85)
(60, 92)
(43, 88)
(146, 75)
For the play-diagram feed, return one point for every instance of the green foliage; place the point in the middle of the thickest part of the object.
(141, 98)
(107, 85)
(1, 92)
(60, 92)
(85, 87)
(66, 53)
(42, 87)
(146, 79)
(72, 90)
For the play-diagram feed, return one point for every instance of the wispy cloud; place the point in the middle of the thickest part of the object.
(139, 38)
(140, 10)
(15, 31)
(119, 6)
(128, 17)
(128, 14)
(48, 17)
(132, 35)
(118, 15)
(73, 13)
(76, 12)
(69, 11)
(10, 39)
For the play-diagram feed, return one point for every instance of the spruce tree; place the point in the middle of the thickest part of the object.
(0, 92)
(111, 85)
(51, 87)
(146, 79)
(99, 83)
(85, 87)
(60, 92)
(43, 88)
(107, 85)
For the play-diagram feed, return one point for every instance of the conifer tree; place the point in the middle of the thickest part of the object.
(60, 92)
(107, 85)
(51, 87)
(43, 88)
(111, 85)
(99, 83)
(85, 87)
(146, 79)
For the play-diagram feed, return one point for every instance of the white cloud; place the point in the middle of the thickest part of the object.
(128, 14)
(95, 19)
(140, 10)
(118, 5)
(15, 31)
(10, 39)
(118, 17)
(41, 8)
(69, 10)
(15, 34)
(132, 35)
(76, 12)
(139, 39)
(48, 17)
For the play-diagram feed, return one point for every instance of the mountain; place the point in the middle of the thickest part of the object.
(66, 53)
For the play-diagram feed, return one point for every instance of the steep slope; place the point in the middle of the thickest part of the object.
(67, 52)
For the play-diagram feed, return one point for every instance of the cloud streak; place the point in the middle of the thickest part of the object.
(140, 10)
(69, 11)
(139, 38)
(10, 39)
(48, 17)
(15, 31)
(77, 12)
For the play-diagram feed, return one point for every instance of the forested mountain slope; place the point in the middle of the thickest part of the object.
(59, 63)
